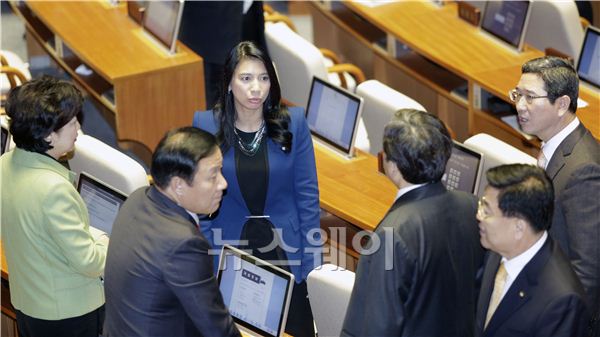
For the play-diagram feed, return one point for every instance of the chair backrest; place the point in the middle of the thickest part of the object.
(496, 152)
(107, 164)
(381, 102)
(329, 289)
(555, 24)
(297, 61)
(14, 71)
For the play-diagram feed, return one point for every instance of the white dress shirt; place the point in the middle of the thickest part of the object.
(552, 144)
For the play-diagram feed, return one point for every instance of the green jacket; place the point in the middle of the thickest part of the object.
(54, 263)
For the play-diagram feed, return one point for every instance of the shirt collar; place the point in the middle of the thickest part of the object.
(407, 189)
(515, 265)
(552, 144)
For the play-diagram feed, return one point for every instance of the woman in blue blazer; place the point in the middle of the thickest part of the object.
(268, 161)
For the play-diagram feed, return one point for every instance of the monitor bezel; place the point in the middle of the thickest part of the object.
(170, 46)
(473, 152)
(521, 42)
(245, 256)
(588, 32)
(101, 185)
(347, 152)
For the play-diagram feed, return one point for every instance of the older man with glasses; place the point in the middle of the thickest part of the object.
(571, 157)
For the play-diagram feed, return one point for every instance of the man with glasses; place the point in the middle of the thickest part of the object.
(528, 286)
(546, 102)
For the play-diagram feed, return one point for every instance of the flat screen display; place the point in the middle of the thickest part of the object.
(162, 19)
(463, 169)
(256, 292)
(5, 140)
(333, 115)
(103, 202)
(588, 66)
(507, 21)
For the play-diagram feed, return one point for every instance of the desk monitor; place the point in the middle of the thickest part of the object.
(162, 20)
(5, 140)
(588, 65)
(136, 10)
(333, 115)
(257, 293)
(463, 169)
(103, 202)
(507, 21)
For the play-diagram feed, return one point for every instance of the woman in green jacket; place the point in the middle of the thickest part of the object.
(54, 262)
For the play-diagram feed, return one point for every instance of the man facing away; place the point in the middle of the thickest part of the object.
(421, 281)
(159, 278)
(528, 286)
(546, 102)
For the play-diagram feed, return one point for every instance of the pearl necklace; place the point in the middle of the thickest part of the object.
(251, 148)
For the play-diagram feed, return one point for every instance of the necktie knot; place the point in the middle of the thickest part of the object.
(541, 160)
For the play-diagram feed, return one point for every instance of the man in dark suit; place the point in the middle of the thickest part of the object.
(528, 286)
(212, 28)
(421, 279)
(571, 157)
(159, 278)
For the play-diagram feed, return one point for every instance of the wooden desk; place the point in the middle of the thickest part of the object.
(152, 92)
(444, 54)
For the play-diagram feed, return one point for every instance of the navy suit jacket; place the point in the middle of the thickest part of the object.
(159, 279)
(546, 299)
(292, 200)
(575, 172)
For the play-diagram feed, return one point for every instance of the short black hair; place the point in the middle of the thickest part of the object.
(419, 144)
(524, 192)
(40, 107)
(559, 76)
(178, 153)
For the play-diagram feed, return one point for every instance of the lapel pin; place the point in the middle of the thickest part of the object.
(521, 294)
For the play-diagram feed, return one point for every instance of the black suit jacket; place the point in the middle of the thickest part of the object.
(159, 278)
(575, 172)
(212, 28)
(421, 281)
(546, 299)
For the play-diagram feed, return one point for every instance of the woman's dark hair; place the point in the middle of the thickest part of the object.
(275, 113)
(178, 153)
(419, 144)
(524, 192)
(40, 107)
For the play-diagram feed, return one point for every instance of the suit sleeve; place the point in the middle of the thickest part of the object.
(307, 194)
(579, 202)
(189, 274)
(383, 281)
(565, 317)
(68, 227)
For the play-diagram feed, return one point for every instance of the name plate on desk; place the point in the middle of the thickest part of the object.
(469, 13)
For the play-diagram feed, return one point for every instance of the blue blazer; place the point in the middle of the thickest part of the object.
(292, 200)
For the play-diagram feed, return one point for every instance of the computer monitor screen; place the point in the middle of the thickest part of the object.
(256, 292)
(588, 65)
(103, 202)
(506, 20)
(463, 169)
(5, 140)
(162, 19)
(333, 115)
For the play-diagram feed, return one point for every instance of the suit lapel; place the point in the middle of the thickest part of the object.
(521, 290)
(564, 150)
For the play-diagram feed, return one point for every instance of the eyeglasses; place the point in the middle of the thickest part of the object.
(482, 213)
(515, 96)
